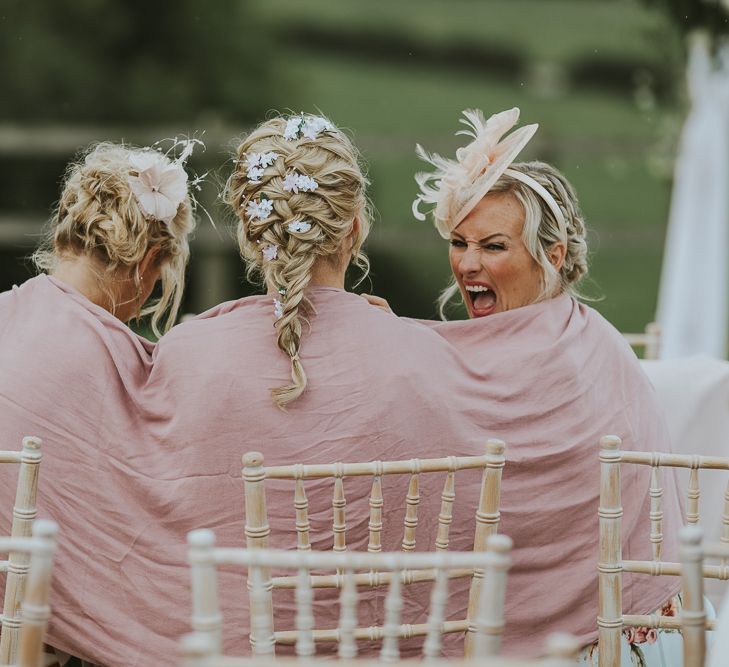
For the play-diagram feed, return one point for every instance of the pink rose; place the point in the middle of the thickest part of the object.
(669, 608)
(629, 634)
(651, 636)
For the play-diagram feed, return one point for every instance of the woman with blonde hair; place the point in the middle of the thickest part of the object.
(550, 377)
(122, 223)
(305, 373)
(71, 372)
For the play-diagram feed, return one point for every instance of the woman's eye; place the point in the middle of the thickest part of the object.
(495, 246)
(455, 243)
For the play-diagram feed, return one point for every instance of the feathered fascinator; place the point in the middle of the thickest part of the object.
(456, 186)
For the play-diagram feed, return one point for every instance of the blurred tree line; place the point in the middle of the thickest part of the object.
(132, 61)
(709, 15)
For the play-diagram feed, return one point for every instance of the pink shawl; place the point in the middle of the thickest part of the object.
(135, 457)
(551, 379)
(71, 373)
(136, 454)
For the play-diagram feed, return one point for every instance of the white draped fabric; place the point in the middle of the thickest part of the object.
(692, 301)
(694, 395)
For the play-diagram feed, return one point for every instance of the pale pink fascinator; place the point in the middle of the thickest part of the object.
(456, 186)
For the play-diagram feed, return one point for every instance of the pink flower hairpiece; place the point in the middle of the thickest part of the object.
(161, 184)
(456, 186)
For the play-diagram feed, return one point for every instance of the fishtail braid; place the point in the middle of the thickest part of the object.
(327, 213)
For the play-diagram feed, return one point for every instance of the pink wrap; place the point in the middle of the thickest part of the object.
(551, 379)
(136, 454)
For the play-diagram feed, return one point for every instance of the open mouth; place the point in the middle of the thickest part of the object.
(483, 299)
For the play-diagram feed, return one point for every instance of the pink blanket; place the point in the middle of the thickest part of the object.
(551, 379)
(136, 457)
(137, 454)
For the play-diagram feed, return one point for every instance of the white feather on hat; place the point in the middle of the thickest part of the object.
(456, 186)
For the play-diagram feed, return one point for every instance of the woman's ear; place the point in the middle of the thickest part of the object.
(354, 233)
(149, 260)
(557, 254)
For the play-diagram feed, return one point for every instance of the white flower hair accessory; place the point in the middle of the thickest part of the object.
(295, 182)
(277, 309)
(257, 162)
(161, 183)
(299, 227)
(307, 127)
(456, 186)
(259, 210)
(270, 252)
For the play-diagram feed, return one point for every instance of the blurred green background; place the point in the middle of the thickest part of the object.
(603, 78)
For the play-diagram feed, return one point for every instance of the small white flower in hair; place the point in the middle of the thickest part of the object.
(259, 209)
(277, 308)
(295, 182)
(313, 125)
(254, 174)
(307, 184)
(292, 127)
(299, 227)
(267, 159)
(291, 182)
(257, 162)
(252, 160)
(270, 252)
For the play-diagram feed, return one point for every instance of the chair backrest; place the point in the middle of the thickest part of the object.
(35, 608)
(199, 650)
(611, 565)
(486, 516)
(24, 512)
(350, 569)
(693, 619)
(649, 340)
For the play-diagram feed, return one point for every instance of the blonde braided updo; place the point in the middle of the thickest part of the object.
(326, 215)
(98, 215)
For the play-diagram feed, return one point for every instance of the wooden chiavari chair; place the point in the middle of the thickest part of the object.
(37, 590)
(487, 515)
(199, 650)
(611, 565)
(694, 618)
(24, 512)
(649, 340)
(351, 569)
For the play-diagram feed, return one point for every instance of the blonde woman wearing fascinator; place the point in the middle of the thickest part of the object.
(71, 371)
(550, 377)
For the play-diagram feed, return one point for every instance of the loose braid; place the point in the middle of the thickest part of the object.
(98, 215)
(330, 210)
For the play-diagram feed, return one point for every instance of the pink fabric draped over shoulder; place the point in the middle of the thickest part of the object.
(551, 379)
(378, 388)
(73, 375)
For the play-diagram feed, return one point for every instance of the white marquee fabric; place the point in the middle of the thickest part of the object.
(693, 306)
(694, 393)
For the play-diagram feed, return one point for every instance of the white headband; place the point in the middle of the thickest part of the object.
(544, 194)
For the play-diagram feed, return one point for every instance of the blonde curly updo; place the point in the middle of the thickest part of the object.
(541, 229)
(98, 215)
(331, 160)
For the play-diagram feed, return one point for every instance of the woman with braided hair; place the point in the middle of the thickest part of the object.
(305, 373)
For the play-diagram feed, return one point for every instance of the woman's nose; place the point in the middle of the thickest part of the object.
(470, 261)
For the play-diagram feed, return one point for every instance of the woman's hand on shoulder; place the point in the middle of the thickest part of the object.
(377, 301)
